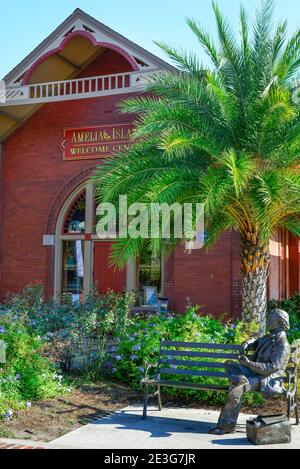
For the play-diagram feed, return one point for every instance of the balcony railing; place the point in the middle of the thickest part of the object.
(79, 88)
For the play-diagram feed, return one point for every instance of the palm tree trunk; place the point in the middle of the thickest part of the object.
(255, 260)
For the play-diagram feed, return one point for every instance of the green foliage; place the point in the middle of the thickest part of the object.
(27, 374)
(74, 334)
(291, 306)
(43, 337)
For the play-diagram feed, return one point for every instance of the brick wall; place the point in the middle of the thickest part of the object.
(36, 179)
(208, 278)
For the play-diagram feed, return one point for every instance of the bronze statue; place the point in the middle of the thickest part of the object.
(264, 373)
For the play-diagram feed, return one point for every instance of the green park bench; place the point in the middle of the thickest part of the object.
(182, 360)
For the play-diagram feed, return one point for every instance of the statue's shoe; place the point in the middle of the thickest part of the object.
(219, 431)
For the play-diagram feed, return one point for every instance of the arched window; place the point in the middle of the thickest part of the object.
(81, 258)
(75, 219)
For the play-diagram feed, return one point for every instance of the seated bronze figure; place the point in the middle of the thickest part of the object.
(263, 373)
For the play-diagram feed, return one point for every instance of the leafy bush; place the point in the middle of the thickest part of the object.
(43, 337)
(27, 373)
(77, 335)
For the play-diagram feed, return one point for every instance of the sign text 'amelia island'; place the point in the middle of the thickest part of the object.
(96, 141)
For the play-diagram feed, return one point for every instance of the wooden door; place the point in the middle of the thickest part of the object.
(105, 277)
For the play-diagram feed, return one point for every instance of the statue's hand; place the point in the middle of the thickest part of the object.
(244, 347)
(243, 360)
(250, 344)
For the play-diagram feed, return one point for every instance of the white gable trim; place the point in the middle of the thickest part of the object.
(77, 22)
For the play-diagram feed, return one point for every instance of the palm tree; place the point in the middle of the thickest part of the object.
(227, 136)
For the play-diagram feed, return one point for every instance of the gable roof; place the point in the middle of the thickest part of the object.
(65, 54)
(77, 20)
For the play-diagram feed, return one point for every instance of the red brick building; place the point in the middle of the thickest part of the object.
(60, 101)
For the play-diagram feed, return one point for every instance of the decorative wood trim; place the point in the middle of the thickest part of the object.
(66, 40)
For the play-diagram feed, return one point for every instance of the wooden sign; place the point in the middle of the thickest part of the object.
(96, 142)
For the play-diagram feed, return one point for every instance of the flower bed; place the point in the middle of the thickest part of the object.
(44, 340)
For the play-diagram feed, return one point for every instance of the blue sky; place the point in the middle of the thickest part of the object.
(23, 25)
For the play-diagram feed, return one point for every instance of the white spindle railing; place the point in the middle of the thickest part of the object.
(78, 88)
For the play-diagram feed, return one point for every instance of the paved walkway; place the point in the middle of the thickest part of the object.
(174, 428)
(6, 443)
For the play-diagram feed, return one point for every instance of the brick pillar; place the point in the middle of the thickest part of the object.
(294, 265)
(169, 279)
(236, 283)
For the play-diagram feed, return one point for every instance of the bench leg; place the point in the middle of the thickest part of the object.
(159, 399)
(297, 411)
(288, 413)
(145, 403)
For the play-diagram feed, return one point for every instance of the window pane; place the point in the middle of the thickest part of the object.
(149, 273)
(75, 219)
(73, 270)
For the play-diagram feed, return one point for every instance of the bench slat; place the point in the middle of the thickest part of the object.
(171, 361)
(188, 353)
(200, 345)
(174, 371)
(182, 384)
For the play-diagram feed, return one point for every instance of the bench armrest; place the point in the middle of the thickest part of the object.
(148, 367)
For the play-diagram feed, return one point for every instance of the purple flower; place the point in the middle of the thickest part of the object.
(136, 347)
(8, 415)
(114, 370)
(134, 357)
(118, 357)
(18, 376)
(2, 330)
(141, 369)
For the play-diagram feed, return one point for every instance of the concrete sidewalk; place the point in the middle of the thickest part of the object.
(175, 428)
(13, 443)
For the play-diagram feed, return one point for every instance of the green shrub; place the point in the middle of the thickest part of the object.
(76, 334)
(27, 374)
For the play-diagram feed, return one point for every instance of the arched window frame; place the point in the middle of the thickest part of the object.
(89, 238)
